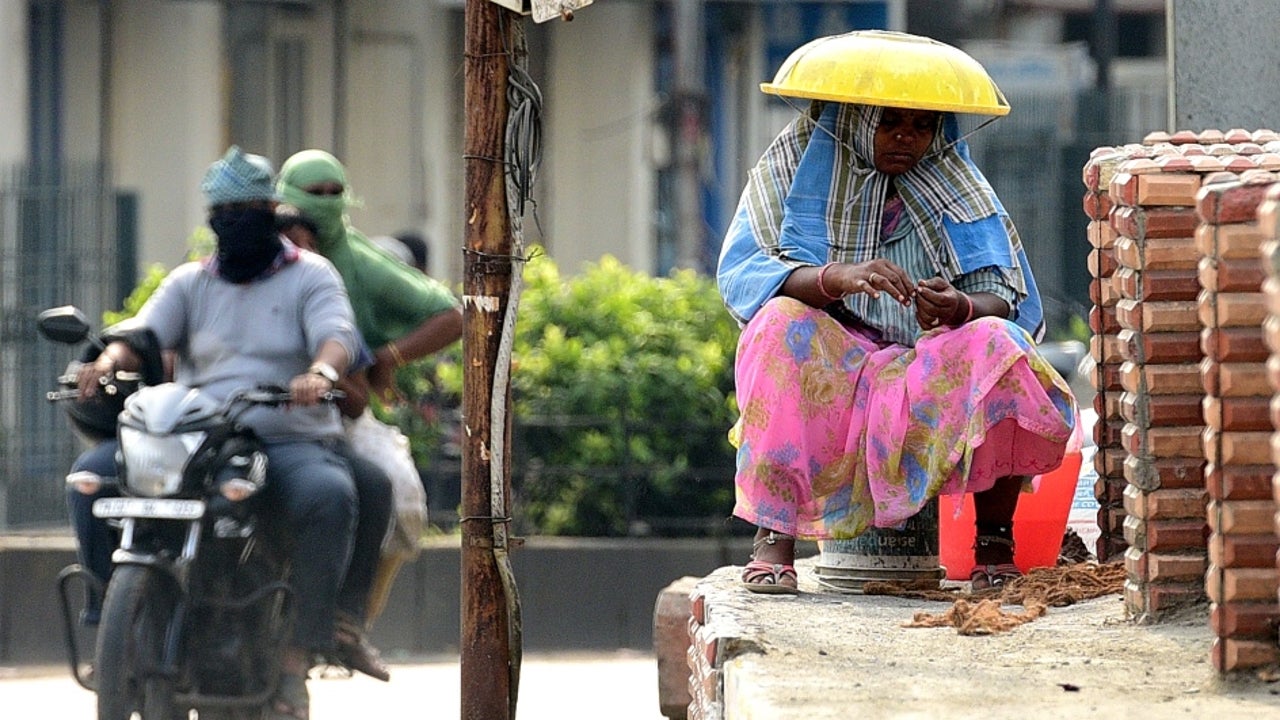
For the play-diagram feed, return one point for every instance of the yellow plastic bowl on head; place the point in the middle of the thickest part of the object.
(893, 69)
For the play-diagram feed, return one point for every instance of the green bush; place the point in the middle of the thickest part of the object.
(623, 398)
(132, 304)
(429, 399)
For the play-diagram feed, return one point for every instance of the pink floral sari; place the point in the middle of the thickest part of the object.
(839, 434)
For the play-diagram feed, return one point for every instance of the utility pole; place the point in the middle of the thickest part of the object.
(1103, 41)
(490, 611)
(689, 98)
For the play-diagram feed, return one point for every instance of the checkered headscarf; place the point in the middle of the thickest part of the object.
(815, 197)
(238, 177)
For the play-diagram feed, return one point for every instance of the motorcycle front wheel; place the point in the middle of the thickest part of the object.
(136, 614)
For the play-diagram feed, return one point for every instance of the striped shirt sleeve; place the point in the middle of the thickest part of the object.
(988, 280)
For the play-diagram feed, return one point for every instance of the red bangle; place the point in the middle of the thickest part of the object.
(822, 288)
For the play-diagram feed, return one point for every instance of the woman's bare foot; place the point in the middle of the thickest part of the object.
(773, 547)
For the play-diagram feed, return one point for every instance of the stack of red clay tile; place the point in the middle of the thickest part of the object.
(1269, 227)
(1156, 285)
(1154, 219)
(1105, 353)
(1241, 580)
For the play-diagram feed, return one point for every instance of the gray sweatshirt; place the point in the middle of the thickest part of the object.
(232, 336)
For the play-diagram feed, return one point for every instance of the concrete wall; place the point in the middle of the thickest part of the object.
(599, 107)
(83, 124)
(322, 79)
(576, 594)
(403, 133)
(147, 90)
(13, 81)
(167, 115)
(442, 129)
(1224, 65)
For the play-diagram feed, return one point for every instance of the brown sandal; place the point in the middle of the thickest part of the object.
(989, 577)
(770, 578)
(994, 566)
(354, 650)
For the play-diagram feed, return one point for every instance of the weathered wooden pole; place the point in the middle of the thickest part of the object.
(490, 659)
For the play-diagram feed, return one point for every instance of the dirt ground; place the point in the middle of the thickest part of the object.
(829, 654)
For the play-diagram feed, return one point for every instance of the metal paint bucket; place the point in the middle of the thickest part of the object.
(907, 554)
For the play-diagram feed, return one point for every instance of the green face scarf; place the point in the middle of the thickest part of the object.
(389, 298)
(328, 212)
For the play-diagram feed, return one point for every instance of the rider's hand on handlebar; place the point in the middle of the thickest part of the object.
(309, 388)
(91, 375)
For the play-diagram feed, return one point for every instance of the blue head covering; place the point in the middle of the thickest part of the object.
(815, 197)
(238, 177)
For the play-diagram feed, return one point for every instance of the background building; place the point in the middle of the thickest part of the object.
(111, 111)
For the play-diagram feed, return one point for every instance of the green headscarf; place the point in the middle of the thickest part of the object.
(390, 299)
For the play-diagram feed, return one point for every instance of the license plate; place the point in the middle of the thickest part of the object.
(159, 508)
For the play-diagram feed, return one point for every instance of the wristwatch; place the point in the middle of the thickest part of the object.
(324, 370)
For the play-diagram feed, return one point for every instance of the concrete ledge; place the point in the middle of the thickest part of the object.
(828, 655)
(576, 593)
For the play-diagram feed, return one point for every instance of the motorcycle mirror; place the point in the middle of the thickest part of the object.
(64, 324)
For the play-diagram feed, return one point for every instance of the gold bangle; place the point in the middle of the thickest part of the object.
(395, 354)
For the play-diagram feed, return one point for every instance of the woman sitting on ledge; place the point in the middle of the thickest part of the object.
(887, 354)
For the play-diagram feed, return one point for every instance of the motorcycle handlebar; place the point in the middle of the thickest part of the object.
(276, 396)
(253, 397)
(108, 383)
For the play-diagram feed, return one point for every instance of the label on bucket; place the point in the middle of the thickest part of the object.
(914, 545)
(1083, 517)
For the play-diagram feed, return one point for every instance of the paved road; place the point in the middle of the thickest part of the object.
(619, 686)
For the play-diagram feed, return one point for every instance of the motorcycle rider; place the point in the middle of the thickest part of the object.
(260, 311)
(96, 539)
(402, 314)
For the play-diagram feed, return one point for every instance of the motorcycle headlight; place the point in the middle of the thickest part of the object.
(153, 464)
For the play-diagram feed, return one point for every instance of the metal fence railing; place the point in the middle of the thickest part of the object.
(621, 476)
(1033, 159)
(57, 245)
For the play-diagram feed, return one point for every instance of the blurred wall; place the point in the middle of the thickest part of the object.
(1224, 64)
(13, 81)
(403, 133)
(598, 175)
(167, 115)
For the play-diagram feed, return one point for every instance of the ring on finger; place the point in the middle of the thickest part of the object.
(872, 278)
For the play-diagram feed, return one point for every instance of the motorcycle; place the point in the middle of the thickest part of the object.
(93, 422)
(198, 608)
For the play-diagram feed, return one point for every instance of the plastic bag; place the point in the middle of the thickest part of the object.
(389, 448)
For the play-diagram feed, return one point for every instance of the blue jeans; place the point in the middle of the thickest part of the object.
(310, 489)
(335, 551)
(373, 488)
(95, 539)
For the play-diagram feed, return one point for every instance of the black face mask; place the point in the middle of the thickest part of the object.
(247, 242)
